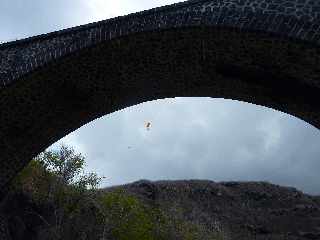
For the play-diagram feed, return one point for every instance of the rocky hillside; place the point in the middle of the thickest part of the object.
(162, 210)
(240, 210)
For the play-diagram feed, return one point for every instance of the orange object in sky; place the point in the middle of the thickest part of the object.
(148, 124)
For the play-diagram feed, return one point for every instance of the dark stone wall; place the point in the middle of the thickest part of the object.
(261, 52)
(298, 19)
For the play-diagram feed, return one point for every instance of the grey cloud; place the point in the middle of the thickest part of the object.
(20, 19)
(203, 138)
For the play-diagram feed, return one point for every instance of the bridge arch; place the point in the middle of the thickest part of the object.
(259, 53)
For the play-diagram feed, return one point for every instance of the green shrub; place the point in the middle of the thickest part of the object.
(55, 179)
(130, 219)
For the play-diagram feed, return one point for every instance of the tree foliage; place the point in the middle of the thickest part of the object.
(57, 178)
(128, 218)
(79, 210)
(68, 167)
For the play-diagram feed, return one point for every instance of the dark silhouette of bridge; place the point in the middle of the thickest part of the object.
(264, 52)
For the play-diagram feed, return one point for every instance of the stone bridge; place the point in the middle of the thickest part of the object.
(264, 52)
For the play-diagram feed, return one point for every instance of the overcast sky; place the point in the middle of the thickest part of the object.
(189, 138)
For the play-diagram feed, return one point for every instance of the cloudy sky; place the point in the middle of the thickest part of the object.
(189, 138)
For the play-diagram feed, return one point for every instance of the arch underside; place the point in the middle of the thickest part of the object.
(49, 103)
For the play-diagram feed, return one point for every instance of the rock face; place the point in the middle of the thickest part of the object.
(244, 210)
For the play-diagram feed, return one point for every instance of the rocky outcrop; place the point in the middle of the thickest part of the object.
(246, 210)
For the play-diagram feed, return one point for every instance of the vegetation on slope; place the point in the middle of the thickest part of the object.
(53, 199)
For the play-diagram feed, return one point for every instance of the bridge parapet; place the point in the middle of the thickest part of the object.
(296, 19)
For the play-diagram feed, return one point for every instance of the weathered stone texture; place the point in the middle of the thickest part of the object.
(289, 18)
